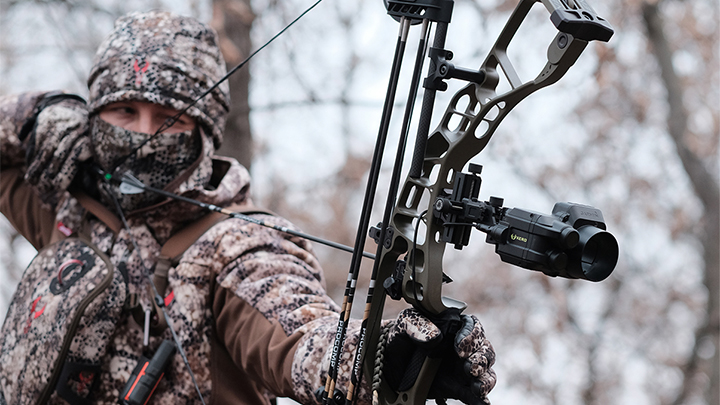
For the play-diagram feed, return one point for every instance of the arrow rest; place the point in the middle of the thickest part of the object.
(375, 233)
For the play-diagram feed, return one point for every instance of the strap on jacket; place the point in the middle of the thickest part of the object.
(170, 253)
(175, 247)
(100, 211)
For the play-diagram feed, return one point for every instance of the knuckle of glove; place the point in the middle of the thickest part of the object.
(482, 386)
(472, 345)
(479, 363)
(60, 142)
(470, 338)
(416, 326)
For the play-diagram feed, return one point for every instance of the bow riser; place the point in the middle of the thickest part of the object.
(449, 150)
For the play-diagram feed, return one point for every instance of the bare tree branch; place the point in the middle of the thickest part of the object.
(233, 20)
(706, 189)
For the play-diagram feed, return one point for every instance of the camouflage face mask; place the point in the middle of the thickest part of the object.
(159, 162)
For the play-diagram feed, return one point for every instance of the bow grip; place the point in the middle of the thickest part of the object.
(415, 395)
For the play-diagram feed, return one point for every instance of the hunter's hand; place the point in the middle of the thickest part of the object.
(57, 145)
(467, 356)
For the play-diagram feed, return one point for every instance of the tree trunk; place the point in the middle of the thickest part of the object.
(233, 19)
(706, 189)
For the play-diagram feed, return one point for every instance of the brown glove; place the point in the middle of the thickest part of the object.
(57, 144)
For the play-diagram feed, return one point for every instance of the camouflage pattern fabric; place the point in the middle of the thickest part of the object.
(164, 59)
(56, 147)
(190, 282)
(472, 345)
(274, 272)
(169, 60)
(14, 109)
(157, 163)
(63, 313)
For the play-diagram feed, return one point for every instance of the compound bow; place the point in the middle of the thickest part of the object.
(569, 243)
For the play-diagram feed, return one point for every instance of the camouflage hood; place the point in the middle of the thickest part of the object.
(164, 59)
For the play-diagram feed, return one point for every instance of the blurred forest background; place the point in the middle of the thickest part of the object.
(632, 129)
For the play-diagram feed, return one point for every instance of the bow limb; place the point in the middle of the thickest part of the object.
(412, 265)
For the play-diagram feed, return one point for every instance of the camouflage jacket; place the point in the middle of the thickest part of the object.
(250, 306)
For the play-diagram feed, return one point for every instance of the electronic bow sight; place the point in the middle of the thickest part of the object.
(571, 243)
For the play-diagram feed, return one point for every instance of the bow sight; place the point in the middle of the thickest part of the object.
(571, 242)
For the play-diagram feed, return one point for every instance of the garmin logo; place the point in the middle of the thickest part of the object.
(519, 238)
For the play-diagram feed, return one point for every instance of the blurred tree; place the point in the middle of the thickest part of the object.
(698, 152)
(233, 19)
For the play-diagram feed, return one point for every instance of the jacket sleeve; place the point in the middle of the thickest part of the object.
(285, 335)
(18, 200)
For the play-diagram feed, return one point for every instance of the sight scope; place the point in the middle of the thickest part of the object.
(572, 242)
